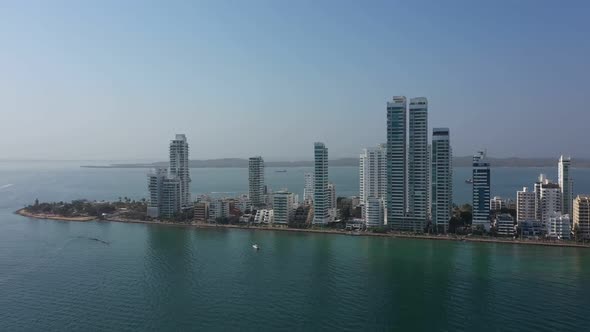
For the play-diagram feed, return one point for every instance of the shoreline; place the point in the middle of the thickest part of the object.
(25, 213)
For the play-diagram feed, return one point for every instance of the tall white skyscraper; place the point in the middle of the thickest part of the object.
(566, 185)
(525, 205)
(481, 191)
(396, 163)
(418, 176)
(550, 200)
(256, 181)
(373, 173)
(179, 168)
(442, 179)
(308, 188)
(321, 201)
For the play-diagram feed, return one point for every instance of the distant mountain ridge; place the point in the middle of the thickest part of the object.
(464, 161)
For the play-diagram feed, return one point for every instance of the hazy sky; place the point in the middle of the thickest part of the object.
(117, 80)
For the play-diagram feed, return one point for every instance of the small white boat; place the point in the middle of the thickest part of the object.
(255, 246)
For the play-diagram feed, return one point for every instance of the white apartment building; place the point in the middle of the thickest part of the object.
(218, 209)
(525, 205)
(559, 226)
(283, 207)
(308, 188)
(264, 216)
(373, 172)
(179, 168)
(497, 203)
(374, 212)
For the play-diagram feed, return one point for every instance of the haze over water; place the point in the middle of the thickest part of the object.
(56, 276)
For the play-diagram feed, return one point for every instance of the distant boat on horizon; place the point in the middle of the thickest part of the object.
(281, 171)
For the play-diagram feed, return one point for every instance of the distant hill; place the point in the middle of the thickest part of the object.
(457, 161)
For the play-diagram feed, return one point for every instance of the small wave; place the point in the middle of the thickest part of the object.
(6, 186)
(94, 239)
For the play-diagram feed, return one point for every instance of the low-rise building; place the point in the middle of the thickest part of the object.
(264, 216)
(498, 203)
(559, 226)
(504, 224)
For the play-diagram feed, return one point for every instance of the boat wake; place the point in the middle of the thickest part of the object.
(6, 186)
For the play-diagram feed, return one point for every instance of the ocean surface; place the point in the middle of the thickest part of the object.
(58, 276)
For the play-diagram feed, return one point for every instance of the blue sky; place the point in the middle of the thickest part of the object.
(117, 79)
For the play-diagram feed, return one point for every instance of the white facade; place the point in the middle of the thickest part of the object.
(256, 181)
(396, 163)
(179, 167)
(481, 190)
(373, 173)
(549, 199)
(418, 174)
(559, 226)
(525, 205)
(264, 216)
(321, 199)
(566, 185)
(283, 207)
(497, 203)
(374, 212)
(308, 188)
(442, 179)
(164, 194)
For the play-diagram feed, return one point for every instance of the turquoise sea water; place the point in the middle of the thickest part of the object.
(54, 276)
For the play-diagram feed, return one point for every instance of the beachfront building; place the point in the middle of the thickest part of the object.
(525, 205)
(418, 158)
(566, 185)
(582, 217)
(504, 224)
(559, 226)
(321, 199)
(283, 207)
(373, 212)
(170, 197)
(201, 212)
(308, 188)
(498, 203)
(396, 163)
(442, 179)
(219, 210)
(179, 168)
(373, 173)
(164, 194)
(481, 191)
(549, 200)
(264, 216)
(256, 181)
